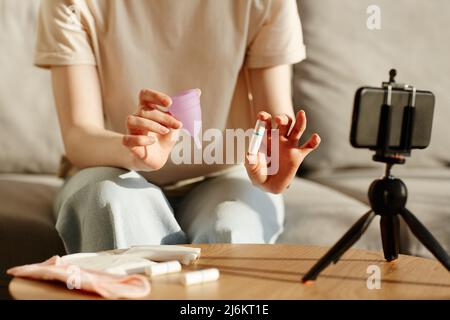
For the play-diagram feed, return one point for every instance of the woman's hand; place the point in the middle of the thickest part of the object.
(290, 154)
(152, 133)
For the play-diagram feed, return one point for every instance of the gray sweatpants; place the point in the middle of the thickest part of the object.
(106, 208)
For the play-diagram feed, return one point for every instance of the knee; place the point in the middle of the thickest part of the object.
(96, 205)
(106, 194)
(85, 221)
(107, 207)
(119, 202)
(89, 219)
(99, 187)
(96, 174)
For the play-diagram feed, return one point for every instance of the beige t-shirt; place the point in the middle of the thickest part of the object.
(171, 46)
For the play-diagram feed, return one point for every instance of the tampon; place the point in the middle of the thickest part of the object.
(201, 276)
(187, 259)
(257, 137)
(131, 267)
(163, 268)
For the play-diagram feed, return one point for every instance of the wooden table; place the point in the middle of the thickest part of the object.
(274, 272)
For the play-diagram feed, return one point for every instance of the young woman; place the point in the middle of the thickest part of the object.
(115, 65)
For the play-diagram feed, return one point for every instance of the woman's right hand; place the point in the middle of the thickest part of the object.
(152, 133)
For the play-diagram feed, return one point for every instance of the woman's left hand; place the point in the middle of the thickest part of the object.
(290, 155)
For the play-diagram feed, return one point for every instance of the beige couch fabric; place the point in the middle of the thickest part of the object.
(30, 139)
(343, 54)
(319, 215)
(428, 198)
(27, 232)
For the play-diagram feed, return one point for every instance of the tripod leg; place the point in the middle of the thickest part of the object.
(390, 233)
(427, 239)
(347, 240)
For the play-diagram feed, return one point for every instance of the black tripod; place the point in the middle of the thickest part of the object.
(387, 197)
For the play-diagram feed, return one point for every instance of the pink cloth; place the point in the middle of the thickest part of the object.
(106, 285)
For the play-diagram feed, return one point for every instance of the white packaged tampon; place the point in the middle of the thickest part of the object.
(201, 276)
(163, 268)
(187, 259)
(257, 137)
(133, 267)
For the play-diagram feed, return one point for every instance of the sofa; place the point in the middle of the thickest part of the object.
(331, 190)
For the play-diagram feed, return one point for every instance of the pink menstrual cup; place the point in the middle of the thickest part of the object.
(186, 108)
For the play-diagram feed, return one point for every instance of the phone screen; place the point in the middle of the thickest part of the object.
(366, 116)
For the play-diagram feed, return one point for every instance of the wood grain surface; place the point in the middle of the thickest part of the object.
(251, 271)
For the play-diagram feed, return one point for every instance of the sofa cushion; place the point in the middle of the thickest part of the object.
(343, 54)
(319, 215)
(27, 232)
(428, 197)
(30, 139)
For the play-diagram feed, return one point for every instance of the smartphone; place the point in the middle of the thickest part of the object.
(366, 116)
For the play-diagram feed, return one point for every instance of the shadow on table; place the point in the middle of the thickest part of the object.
(290, 259)
(250, 273)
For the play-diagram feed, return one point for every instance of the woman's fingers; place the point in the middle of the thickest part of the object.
(256, 166)
(148, 96)
(267, 117)
(142, 124)
(162, 118)
(299, 127)
(284, 123)
(311, 144)
(138, 141)
(251, 161)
